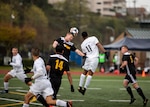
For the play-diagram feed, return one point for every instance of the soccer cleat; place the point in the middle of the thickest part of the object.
(80, 89)
(145, 102)
(132, 100)
(69, 104)
(83, 91)
(4, 91)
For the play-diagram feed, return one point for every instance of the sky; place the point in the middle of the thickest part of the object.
(139, 3)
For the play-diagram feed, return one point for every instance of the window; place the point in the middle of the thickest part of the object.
(99, 3)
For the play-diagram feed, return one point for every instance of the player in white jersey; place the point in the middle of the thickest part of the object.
(17, 70)
(41, 83)
(90, 47)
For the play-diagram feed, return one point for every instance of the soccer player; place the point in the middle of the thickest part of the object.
(90, 47)
(128, 62)
(56, 66)
(68, 47)
(41, 83)
(17, 70)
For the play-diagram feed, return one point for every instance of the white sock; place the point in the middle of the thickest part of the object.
(25, 105)
(81, 82)
(88, 80)
(61, 103)
(6, 85)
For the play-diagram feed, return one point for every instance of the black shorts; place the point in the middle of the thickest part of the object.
(131, 78)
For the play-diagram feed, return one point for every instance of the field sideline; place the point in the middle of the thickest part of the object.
(105, 90)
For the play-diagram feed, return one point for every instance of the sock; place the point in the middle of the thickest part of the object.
(130, 91)
(6, 85)
(41, 99)
(88, 80)
(140, 92)
(25, 105)
(82, 77)
(61, 103)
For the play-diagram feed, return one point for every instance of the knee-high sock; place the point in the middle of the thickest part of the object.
(61, 103)
(25, 105)
(88, 80)
(6, 85)
(140, 92)
(41, 99)
(129, 92)
(82, 78)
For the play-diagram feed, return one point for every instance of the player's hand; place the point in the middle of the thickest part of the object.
(72, 88)
(9, 62)
(121, 69)
(84, 57)
(27, 70)
(27, 80)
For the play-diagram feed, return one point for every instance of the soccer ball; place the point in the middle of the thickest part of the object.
(74, 31)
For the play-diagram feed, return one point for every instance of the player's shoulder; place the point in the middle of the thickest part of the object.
(92, 38)
(58, 56)
(39, 61)
(60, 39)
(127, 53)
(18, 55)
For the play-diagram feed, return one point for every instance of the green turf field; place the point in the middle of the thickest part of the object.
(104, 91)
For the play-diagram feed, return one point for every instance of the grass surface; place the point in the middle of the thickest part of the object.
(101, 90)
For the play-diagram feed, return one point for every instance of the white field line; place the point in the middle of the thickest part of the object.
(74, 100)
(12, 100)
(13, 87)
(94, 88)
(125, 89)
(108, 80)
(119, 100)
(25, 91)
(96, 80)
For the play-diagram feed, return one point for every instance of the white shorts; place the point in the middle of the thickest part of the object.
(20, 75)
(42, 87)
(90, 64)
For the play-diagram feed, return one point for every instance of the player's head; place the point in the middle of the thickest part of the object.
(35, 53)
(14, 51)
(59, 49)
(84, 35)
(71, 34)
(124, 48)
(74, 31)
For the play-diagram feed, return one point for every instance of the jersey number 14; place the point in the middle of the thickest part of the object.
(59, 64)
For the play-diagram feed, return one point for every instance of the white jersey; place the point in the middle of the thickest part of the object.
(41, 85)
(39, 65)
(17, 63)
(89, 47)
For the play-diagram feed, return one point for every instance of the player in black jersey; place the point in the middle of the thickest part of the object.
(128, 63)
(68, 47)
(56, 66)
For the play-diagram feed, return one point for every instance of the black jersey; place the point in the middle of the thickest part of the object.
(130, 67)
(58, 64)
(68, 46)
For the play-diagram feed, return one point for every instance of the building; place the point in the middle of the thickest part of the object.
(137, 33)
(104, 7)
(139, 13)
(54, 1)
(108, 7)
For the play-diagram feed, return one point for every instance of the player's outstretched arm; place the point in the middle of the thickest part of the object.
(101, 48)
(79, 52)
(55, 43)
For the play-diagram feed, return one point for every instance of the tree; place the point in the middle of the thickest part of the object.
(15, 36)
